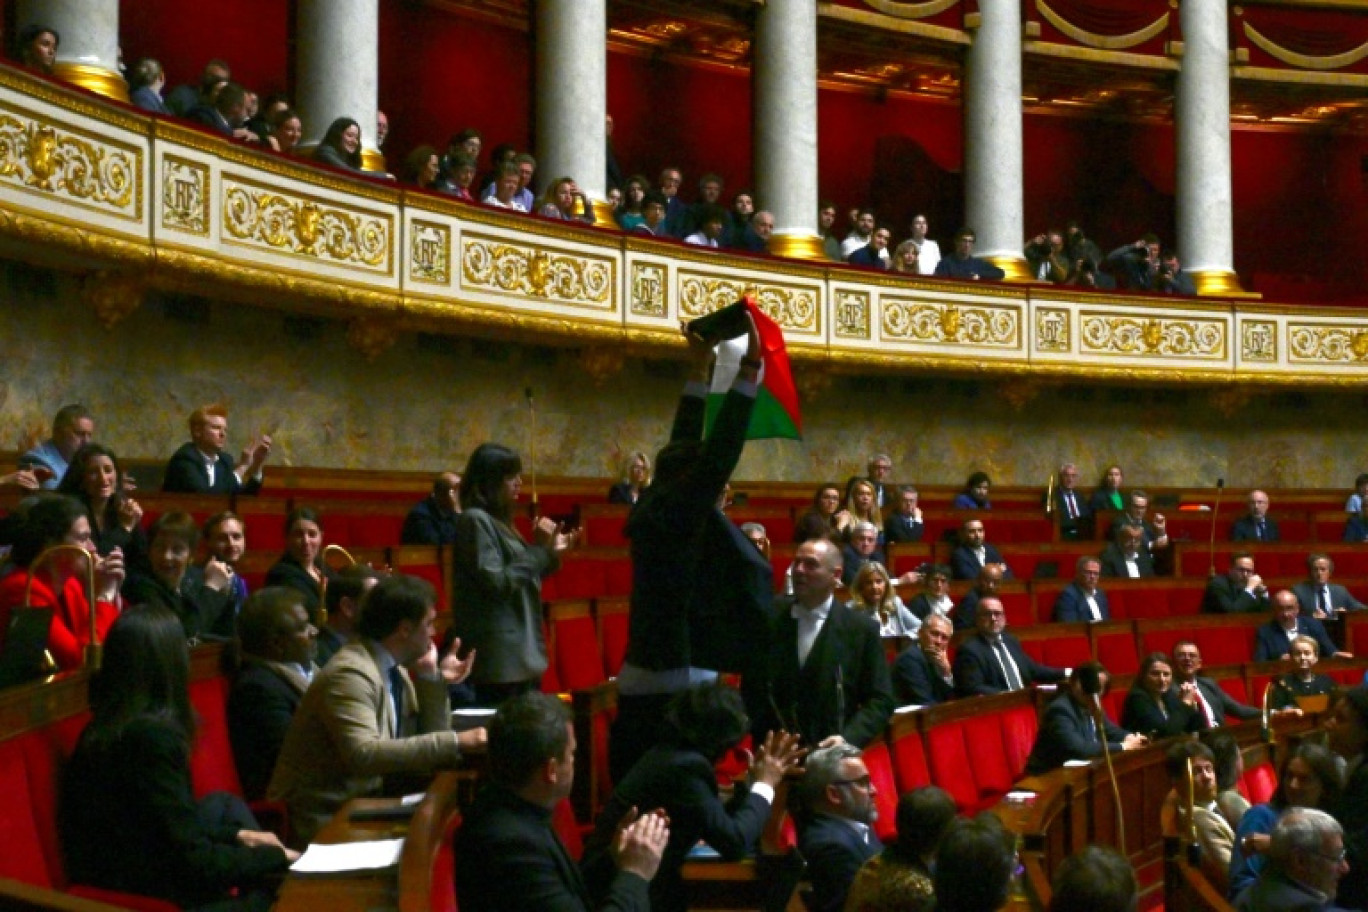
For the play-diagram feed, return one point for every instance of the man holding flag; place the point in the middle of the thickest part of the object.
(701, 592)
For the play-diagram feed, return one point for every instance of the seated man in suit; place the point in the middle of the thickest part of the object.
(935, 594)
(863, 548)
(1070, 507)
(905, 523)
(828, 679)
(835, 830)
(992, 661)
(276, 643)
(202, 467)
(1320, 598)
(432, 521)
(1127, 557)
(1212, 699)
(1240, 590)
(1306, 860)
(1137, 513)
(973, 553)
(1274, 639)
(987, 585)
(225, 540)
(508, 856)
(1068, 728)
(922, 675)
(1256, 525)
(343, 601)
(1081, 600)
(379, 709)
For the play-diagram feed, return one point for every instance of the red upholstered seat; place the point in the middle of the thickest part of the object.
(22, 836)
(950, 765)
(1260, 782)
(211, 761)
(579, 665)
(1235, 686)
(880, 766)
(1115, 649)
(369, 530)
(613, 621)
(909, 761)
(993, 774)
(1019, 727)
(442, 895)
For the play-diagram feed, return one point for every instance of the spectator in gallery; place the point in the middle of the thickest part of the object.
(975, 493)
(826, 223)
(962, 264)
(1171, 278)
(873, 255)
(341, 145)
(145, 82)
(503, 194)
(906, 258)
(710, 226)
(861, 234)
(653, 216)
(527, 168)
(287, 128)
(629, 214)
(928, 251)
(37, 48)
(422, 168)
(561, 200)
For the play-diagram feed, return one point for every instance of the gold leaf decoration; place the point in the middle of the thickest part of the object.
(304, 227)
(500, 266)
(1052, 330)
(372, 336)
(851, 318)
(923, 321)
(1152, 336)
(648, 289)
(113, 295)
(185, 195)
(1311, 342)
(430, 253)
(1259, 340)
(792, 307)
(43, 158)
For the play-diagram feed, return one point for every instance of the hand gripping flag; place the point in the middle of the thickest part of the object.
(776, 403)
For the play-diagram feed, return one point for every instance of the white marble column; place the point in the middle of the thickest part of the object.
(993, 184)
(338, 70)
(572, 97)
(1204, 202)
(785, 116)
(88, 54)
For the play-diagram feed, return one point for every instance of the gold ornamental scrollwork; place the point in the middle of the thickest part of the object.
(1052, 330)
(792, 307)
(1155, 336)
(49, 160)
(1333, 344)
(372, 336)
(923, 321)
(114, 296)
(502, 266)
(647, 298)
(850, 319)
(185, 195)
(1258, 340)
(430, 253)
(305, 227)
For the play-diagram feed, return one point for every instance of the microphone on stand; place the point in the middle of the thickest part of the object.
(1090, 682)
(1211, 550)
(532, 446)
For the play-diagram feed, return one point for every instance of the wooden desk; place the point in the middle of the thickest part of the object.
(409, 887)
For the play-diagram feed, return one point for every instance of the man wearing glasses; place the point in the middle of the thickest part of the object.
(1240, 590)
(835, 833)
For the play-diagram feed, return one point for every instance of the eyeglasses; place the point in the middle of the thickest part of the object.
(1337, 858)
(863, 782)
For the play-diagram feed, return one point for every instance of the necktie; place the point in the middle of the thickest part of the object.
(1325, 600)
(1073, 508)
(1206, 709)
(1261, 530)
(1008, 666)
(396, 680)
(1093, 608)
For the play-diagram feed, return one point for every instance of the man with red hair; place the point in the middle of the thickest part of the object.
(202, 467)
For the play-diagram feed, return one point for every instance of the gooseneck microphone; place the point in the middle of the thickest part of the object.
(1090, 682)
(1211, 548)
(532, 445)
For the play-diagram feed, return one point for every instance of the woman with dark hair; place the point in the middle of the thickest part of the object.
(301, 566)
(36, 48)
(341, 145)
(826, 504)
(899, 877)
(60, 583)
(975, 493)
(422, 168)
(96, 480)
(287, 128)
(1310, 777)
(1154, 708)
(677, 777)
(200, 597)
(497, 576)
(460, 174)
(1107, 495)
(629, 214)
(560, 200)
(128, 819)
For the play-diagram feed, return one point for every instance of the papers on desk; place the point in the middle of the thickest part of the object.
(1078, 763)
(347, 857)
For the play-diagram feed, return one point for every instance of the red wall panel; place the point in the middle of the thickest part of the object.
(252, 35)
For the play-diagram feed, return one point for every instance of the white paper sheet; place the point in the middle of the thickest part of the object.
(344, 857)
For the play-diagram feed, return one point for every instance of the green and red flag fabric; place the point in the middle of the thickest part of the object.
(776, 411)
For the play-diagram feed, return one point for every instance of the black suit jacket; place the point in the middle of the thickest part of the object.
(203, 612)
(1224, 597)
(897, 528)
(1114, 563)
(842, 689)
(916, 680)
(186, 474)
(964, 564)
(1075, 527)
(1222, 703)
(428, 524)
(509, 859)
(1352, 813)
(1270, 640)
(289, 572)
(1068, 732)
(701, 592)
(1072, 605)
(261, 704)
(684, 784)
(1141, 714)
(1245, 529)
(834, 853)
(978, 673)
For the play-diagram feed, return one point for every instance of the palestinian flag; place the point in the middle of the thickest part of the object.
(776, 402)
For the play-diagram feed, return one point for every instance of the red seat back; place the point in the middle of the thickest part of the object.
(909, 761)
(880, 766)
(614, 619)
(1260, 782)
(579, 665)
(1115, 649)
(992, 769)
(950, 765)
(22, 826)
(1019, 727)
(211, 761)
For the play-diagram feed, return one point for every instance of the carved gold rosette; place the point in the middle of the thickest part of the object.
(792, 307)
(925, 321)
(50, 160)
(1326, 343)
(1153, 336)
(499, 265)
(304, 227)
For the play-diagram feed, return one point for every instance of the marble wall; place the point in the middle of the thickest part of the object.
(427, 401)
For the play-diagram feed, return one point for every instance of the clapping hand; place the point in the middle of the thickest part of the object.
(776, 756)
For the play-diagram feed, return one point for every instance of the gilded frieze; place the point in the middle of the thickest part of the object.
(794, 307)
(851, 317)
(1326, 343)
(185, 195)
(56, 162)
(299, 226)
(647, 297)
(964, 324)
(1153, 336)
(500, 265)
(1259, 340)
(1052, 330)
(430, 253)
